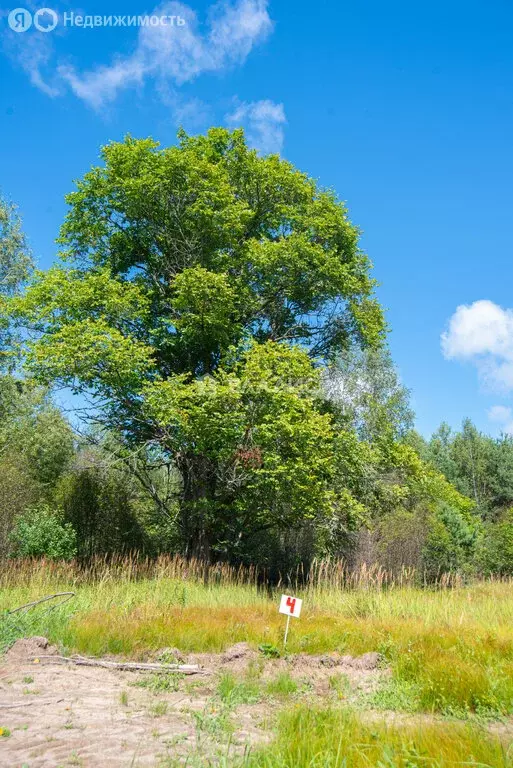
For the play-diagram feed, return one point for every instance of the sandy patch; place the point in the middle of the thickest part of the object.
(62, 715)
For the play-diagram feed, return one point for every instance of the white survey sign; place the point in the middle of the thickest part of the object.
(290, 606)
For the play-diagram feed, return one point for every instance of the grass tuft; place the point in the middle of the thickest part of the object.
(335, 738)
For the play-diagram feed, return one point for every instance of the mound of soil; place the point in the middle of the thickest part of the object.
(28, 648)
(365, 662)
(237, 652)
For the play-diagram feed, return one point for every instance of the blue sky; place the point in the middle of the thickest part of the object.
(406, 109)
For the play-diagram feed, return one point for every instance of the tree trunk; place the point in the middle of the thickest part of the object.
(196, 506)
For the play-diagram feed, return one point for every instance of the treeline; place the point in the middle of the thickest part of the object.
(213, 319)
(481, 468)
(62, 496)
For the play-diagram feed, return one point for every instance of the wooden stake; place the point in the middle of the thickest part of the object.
(286, 631)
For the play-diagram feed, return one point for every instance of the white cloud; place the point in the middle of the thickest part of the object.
(482, 333)
(191, 114)
(177, 54)
(33, 52)
(264, 123)
(502, 415)
(499, 413)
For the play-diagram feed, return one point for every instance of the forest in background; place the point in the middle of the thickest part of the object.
(214, 320)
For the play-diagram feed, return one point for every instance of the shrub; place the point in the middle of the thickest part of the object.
(39, 532)
(17, 492)
(432, 540)
(495, 552)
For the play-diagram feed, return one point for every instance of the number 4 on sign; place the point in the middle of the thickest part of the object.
(290, 606)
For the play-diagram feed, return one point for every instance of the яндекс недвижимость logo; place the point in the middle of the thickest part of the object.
(21, 19)
(45, 20)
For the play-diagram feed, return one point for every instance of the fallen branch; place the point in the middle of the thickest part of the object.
(30, 703)
(67, 595)
(81, 661)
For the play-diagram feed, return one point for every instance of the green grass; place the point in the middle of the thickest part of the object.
(450, 650)
(282, 685)
(339, 683)
(234, 691)
(160, 682)
(158, 709)
(335, 738)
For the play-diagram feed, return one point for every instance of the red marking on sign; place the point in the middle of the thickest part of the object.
(291, 602)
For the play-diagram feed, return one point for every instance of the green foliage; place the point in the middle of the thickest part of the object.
(479, 466)
(101, 505)
(89, 326)
(15, 259)
(15, 267)
(495, 553)
(462, 533)
(198, 287)
(40, 533)
(185, 251)
(36, 446)
(335, 737)
(260, 452)
(18, 491)
(364, 385)
(434, 539)
(400, 537)
(269, 650)
(441, 553)
(33, 428)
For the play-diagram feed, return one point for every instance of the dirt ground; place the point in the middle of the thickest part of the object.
(57, 714)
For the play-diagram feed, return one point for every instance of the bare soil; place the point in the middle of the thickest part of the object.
(61, 715)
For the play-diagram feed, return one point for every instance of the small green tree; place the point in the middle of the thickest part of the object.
(40, 532)
(107, 508)
(495, 552)
(36, 446)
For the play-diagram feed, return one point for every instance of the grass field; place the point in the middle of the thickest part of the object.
(449, 649)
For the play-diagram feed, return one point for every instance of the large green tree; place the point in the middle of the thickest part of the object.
(199, 287)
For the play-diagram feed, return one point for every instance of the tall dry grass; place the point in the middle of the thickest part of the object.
(322, 574)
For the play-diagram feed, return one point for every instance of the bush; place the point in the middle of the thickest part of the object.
(400, 537)
(450, 541)
(39, 532)
(18, 491)
(495, 551)
(109, 511)
(432, 540)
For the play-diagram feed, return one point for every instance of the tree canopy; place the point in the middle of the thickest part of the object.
(204, 299)
(198, 288)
